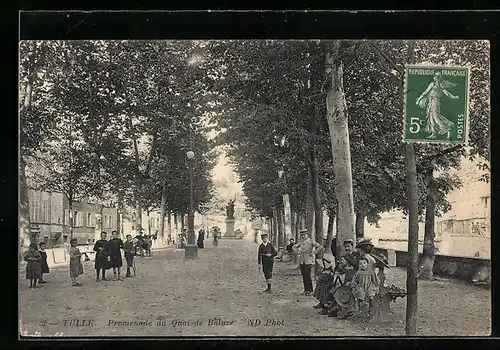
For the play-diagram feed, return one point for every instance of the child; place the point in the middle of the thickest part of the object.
(101, 247)
(43, 262)
(115, 244)
(33, 268)
(267, 252)
(75, 263)
(128, 248)
(364, 284)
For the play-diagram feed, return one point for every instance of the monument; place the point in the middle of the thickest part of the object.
(230, 220)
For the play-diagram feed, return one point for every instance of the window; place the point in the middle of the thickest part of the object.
(157, 222)
(90, 220)
(65, 239)
(46, 215)
(66, 217)
(78, 219)
(110, 224)
(105, 221)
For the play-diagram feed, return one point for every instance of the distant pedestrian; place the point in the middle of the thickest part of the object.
(101, 247)
(75, 262)
(267, 252)
(128, 248)
(43, 262)
(306, 249)
(201, 238)
(33, 268)
(115, 255)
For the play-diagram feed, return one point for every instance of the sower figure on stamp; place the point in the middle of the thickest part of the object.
(267, 252)
(101, 247)
(306, 249)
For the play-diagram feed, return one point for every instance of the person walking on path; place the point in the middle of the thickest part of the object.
(75, 263)
(267, 252)
(33, 268)
(101, 247)
(43, 262)
(306, 249)
(115, 246)
(201, 238)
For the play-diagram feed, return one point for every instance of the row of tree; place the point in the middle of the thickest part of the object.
(329, 114)
(112, 121)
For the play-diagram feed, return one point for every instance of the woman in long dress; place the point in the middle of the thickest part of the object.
(430, 99)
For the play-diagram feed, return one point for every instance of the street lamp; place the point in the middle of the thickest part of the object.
(191, 250)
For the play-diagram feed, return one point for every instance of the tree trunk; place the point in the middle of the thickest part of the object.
(318, 210)
(99, 227)
(281, 233)
(339, 136)
(429, 249)
(70, 202)
(287, 218)
(360, 225)
(138, 210)
(169, 225)
(24, 208)
(163, 213)
(329, 232)
(309, 206)
(149, 221)
(412, 269)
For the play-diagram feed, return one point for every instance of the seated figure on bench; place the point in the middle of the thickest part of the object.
(323, 285)
(347, 267)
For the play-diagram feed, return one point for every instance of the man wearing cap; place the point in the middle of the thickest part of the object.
(306, 249)
(267, 252)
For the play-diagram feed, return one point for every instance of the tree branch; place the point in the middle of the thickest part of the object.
(386, 57)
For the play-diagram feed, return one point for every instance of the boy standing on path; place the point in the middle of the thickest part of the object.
(267, 252)
(128, 248)
(306, 249)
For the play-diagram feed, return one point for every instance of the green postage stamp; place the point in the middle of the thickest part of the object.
(436, 104)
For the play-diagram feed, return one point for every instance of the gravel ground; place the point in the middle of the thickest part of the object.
(219, 295)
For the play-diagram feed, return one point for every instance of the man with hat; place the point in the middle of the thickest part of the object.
(267, 252)
(306, 249)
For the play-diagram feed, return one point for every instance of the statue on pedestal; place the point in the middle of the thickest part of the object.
(230, 209)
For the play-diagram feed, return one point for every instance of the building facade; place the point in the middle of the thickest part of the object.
(50, 219)
(463, 231)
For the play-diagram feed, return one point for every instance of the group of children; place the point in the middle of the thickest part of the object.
(357, 267)
(37, 265)
(355, 270)
(108, 256)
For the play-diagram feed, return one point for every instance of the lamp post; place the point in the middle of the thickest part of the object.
(191, 250)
